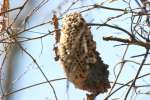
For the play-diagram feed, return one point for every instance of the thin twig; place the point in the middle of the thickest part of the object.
(127, 84)
(40, 69)
(137, 74)
(112, 26)
(119, 72)
(30, 86)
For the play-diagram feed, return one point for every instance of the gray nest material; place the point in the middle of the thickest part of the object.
(78, 55)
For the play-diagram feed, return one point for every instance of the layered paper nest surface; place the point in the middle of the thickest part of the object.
(78, 55)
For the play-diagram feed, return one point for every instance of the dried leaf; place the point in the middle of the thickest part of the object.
(5, 5)
(57, 36)
(55, 23)
(3, 16)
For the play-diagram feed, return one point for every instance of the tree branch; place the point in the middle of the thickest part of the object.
(129, 41)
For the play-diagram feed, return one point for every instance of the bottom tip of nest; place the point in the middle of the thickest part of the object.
(91, 96)
(102, 89)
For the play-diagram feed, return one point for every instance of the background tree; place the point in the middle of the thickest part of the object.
(27, 66)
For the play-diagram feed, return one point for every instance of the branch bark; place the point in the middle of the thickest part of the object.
(129, 41)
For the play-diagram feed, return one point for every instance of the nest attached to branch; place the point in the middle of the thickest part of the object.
(78, 55)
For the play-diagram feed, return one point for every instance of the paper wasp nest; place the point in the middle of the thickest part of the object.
(78, 55)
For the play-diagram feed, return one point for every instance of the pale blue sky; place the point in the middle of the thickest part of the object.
(30, 74)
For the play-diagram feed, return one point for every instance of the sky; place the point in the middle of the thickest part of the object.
(26, 72)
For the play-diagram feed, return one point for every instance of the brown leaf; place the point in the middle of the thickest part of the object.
(5, 5)
(55, 23)
(57, 36)
(3, 16)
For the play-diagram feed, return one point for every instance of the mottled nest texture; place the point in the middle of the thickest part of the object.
(78, 55)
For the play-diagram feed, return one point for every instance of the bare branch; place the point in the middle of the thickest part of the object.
(131, 42)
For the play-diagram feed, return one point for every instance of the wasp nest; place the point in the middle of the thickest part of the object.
(78, 55)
